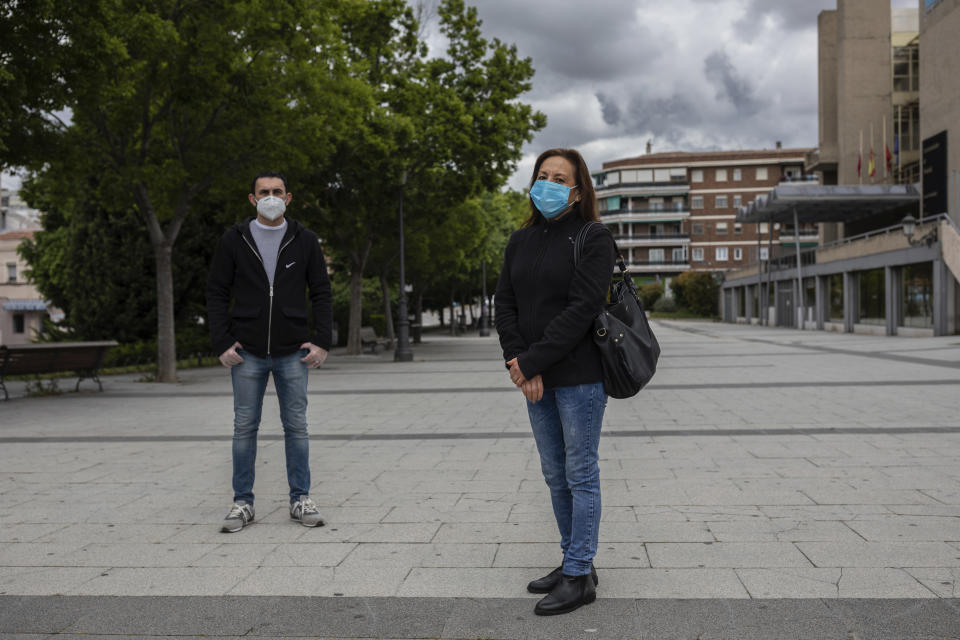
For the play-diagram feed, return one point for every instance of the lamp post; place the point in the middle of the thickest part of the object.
(484, 328)
(910, 227)
(402, 352)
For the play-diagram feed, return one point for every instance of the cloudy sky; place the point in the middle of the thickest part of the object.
(683, 74)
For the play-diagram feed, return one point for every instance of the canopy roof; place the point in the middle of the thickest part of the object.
(820, 203)
(25, 305)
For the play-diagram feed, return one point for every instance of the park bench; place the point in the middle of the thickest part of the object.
(369, 338)
(83, 358)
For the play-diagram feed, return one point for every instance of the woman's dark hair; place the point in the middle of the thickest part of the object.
(586, 208)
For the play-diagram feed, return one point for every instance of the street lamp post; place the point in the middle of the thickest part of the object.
(402, 352)
(484, 328)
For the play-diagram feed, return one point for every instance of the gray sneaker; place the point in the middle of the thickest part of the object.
(241, 514)
(305, 512)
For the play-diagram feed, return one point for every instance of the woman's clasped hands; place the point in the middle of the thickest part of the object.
(532, 389)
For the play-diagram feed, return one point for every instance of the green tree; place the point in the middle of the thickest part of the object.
(697, 291)
(170, 101)
(433, 131)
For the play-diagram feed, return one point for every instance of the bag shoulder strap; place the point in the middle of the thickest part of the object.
(582, 239)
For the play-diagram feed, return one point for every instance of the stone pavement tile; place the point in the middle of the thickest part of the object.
(27, 532)
(238, 554)
(898, 618)
(389, 532)
(357, 581)
(548, 555)
(733, 496)
(648, 530)
(868, 496)
(353, 515)
(163, 581)
(794, 582)
(880, 554)
(781, 530)
(256, 532)
(490, 513)
(468, 583)
(829, 512)
(44, 581)
(881, 583)
(37, 554)
(943, 511)
(945, 582)
(497, 532)
(670, 583)
(420, 555)
(947, 496)
(726, 554)
(80, 534)
(906, 528)
(307, 554)
(718, 513)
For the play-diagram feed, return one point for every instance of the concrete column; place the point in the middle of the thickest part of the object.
(776, 304)
(941, 281)
(891, 291)
(850, 312)
(821, 306)
(748, 293)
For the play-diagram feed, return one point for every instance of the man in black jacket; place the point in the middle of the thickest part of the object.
(265, 266)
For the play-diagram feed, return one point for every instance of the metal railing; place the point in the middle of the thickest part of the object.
(653, 236)
(644, 210)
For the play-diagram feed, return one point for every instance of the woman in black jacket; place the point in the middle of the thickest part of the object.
(545, 308)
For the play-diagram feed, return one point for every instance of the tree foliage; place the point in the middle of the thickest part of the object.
(697, 291)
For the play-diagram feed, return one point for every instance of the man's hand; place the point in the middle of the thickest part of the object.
(516, 376)
(230, 357)
(533, 389)
(316, 356)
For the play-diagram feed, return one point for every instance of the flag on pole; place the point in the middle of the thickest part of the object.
(896, 148)
(859, 165)
(889, 159)
(872, 166)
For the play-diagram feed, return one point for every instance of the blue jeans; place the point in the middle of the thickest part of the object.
(566, 426)
(249, 385)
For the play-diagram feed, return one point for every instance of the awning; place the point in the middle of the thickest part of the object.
(821, 203)
(25, 305)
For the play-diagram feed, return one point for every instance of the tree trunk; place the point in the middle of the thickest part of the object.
(453, 316)
(387, 308)
(356, 312)
(166, 333)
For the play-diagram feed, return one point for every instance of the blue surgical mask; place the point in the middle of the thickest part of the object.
(550, 198)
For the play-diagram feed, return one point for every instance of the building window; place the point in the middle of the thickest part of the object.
(872, 297)
(916, 301)
(19, 325)
(721, 175)
(679, 256)
(613, 178)
(738, 253)
(697, 228)
(764, 227)
(721, 202)
(737, 202)
(696, 175)
(737, 175)
(722, 254)
(696, 202)
(761, 173)
(835, 286)
(721, 227)
(656, 256)
(656, 204)
(11, 272)
(737, 227)
(697, 254)
(764, 253)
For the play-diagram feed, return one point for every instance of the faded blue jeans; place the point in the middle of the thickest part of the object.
(566, 426)
(249, 385)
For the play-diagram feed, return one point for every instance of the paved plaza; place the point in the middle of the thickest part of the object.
(769, 483)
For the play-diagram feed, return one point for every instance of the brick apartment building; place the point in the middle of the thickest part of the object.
(675, 211)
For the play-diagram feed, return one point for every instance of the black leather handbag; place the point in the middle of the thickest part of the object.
(628, 348)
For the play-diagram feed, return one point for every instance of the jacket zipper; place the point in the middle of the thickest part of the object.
(537, 262)
(270, 304)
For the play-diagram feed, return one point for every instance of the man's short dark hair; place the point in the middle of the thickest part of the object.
(267, 174)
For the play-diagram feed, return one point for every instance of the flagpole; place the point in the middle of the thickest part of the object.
(860, 159)
(871, 169)
(883, 149)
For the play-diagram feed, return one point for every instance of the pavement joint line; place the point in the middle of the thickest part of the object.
(881, 355)
(506, 389)
(494, 435)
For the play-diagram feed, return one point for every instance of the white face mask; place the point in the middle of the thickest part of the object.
(271, 207)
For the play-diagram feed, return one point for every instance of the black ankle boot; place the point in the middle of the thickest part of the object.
(571, 593)
(549, 581)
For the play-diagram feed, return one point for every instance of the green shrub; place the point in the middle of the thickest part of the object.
(698, 292)
(665, 305)
(650, 293)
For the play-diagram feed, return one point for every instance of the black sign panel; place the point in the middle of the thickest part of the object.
(935, 174)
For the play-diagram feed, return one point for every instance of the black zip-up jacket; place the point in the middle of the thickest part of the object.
(545, 306)
(268, 320)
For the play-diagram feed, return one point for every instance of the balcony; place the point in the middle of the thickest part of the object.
(644, 189)
(663, 266)
(625, 214)
(806, 238)
(652, 240)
